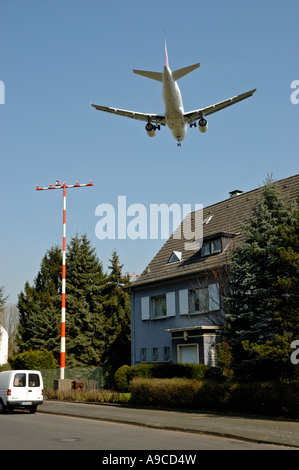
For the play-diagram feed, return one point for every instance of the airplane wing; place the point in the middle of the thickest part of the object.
(154, 118)
(192, 116)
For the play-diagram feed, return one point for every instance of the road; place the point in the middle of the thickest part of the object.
(23, 431)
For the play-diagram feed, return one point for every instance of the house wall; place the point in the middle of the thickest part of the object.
(151, 333)
(3, 346)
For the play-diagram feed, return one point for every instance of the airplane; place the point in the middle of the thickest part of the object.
(174, 117)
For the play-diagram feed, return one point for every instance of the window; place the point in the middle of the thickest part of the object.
(199, 300)
(175, 257)
(211, 248)
(158, 306)
(34, 380)
(206, 249)
(215, 246)
(155, 354)
(143, 355)
(207, 220)
(167, 353)
(19, 380)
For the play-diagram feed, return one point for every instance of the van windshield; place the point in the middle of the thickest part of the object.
(20, 380)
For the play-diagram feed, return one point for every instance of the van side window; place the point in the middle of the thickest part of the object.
(34, 380)
(19, 380)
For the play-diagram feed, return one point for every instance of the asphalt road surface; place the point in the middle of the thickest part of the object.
(23, 431)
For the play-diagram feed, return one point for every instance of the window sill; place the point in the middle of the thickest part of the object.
(163, 317)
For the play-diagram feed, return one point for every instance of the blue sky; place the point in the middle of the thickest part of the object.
(59, 56)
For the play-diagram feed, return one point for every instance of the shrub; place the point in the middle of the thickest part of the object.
(165, 393)
(259, 398)
(121, 379)
(90, 396)
(125, 374)
(35, 360)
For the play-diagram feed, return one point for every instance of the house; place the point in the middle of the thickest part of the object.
(176, 304)
(3, 346)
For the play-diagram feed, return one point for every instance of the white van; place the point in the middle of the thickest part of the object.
(21, 389)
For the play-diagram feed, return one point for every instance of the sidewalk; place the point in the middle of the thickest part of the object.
(269, 431)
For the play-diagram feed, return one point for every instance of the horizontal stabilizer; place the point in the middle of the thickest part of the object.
(153, 75)
(182, 72)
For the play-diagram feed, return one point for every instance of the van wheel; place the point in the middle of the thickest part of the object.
(32, 409)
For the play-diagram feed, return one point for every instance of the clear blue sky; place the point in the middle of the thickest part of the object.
(58, 56)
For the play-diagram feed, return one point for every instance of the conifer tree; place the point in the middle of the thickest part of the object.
(97, 308)
(256, 273)
(277, 349)
(84, 313)
(40, 306)
(116, 305)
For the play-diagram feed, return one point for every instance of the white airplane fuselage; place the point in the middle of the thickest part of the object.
(174, 118)
(174, 109)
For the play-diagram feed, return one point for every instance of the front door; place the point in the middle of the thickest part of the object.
(188, 354)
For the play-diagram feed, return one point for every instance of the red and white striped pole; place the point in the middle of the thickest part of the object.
(63, 186)
(62, 343)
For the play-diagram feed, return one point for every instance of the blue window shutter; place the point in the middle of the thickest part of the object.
(170, 304)
(145, 310)
(214, 298)
(183, 302)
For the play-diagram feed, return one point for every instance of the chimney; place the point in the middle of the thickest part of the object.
(235, 193)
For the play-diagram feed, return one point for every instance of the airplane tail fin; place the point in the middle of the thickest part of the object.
(153, 75)
(166, 55)
(176, 74)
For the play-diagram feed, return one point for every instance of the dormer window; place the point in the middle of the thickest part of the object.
(211, 247)
(175, 257)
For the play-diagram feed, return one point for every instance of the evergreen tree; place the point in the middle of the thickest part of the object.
(286, 305)
(40, 306)
(97, 308)
(85, 281)
(254, 279)
(116, 305)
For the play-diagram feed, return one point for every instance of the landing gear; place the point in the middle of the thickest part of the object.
(192, 124)
(179, 144)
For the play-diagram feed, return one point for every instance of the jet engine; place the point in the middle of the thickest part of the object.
(150, 129)
(203, 125)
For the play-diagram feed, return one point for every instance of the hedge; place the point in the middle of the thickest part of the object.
(125, 374)
(34, 360)
(259, 398)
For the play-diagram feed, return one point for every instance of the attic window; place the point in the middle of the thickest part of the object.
(207, 220)
(211, 248)
(175, 257)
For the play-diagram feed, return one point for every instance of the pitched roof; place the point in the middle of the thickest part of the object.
(227, 217)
